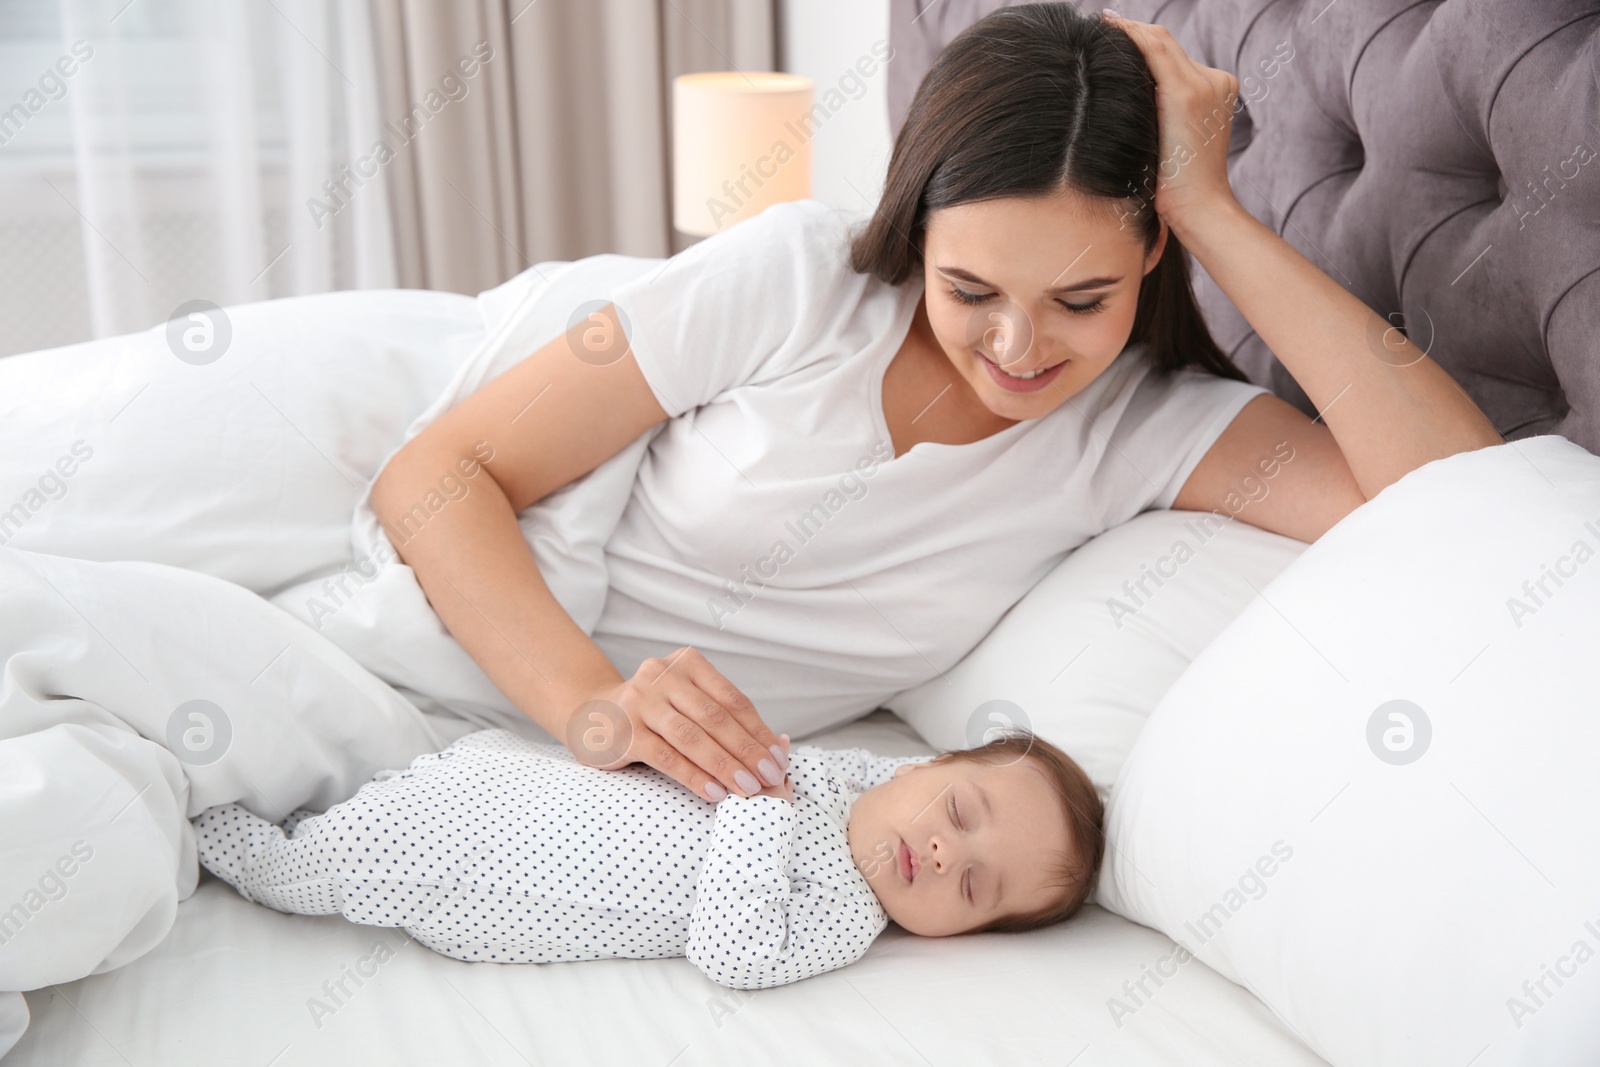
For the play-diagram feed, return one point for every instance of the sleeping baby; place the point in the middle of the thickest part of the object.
(506, 850)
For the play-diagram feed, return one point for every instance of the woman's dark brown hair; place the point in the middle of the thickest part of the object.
(1072, 873)
(1031, 101)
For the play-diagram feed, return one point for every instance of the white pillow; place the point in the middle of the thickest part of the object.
(1083, 658)
(1400, 887)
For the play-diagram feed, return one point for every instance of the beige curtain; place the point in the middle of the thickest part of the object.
(531, 130)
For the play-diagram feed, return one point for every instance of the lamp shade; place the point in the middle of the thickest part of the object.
(740, 142)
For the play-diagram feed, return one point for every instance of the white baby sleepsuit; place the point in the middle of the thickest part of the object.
(504, 850)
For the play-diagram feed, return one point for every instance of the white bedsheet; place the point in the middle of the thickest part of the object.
(237, 984)
(251, 469)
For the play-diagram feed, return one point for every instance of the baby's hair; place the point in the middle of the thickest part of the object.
(1080, 802)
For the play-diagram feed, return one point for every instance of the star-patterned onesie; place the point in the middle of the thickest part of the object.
(505, 850)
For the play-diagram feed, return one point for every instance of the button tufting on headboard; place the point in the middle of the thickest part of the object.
(1440, 159)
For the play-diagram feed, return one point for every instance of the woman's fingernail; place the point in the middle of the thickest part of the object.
(769, 772)
(715, 791)
(747, 781)
(777, 754)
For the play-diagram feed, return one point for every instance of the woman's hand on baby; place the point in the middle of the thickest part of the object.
(682, 717)
(786, 790)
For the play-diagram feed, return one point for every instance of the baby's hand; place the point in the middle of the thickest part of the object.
(786, 790)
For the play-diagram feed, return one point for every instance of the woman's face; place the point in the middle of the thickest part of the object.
(1033, 283)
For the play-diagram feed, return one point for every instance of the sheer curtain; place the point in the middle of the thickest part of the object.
(155, 152)
(199, 135)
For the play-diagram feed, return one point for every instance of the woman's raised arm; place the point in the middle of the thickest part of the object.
(1389, 412)
(548, 420)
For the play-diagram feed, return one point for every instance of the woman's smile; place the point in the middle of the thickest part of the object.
(1038, 379)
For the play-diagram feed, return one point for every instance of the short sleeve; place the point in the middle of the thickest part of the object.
(744, 305)
(1168, 426)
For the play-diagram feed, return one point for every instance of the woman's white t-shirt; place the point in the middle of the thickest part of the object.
(771, 526)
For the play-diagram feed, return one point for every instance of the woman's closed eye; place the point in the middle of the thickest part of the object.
(1077, 309)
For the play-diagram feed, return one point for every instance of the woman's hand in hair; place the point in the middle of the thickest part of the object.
(1195, 105)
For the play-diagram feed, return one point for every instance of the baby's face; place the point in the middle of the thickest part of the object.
(978, 842)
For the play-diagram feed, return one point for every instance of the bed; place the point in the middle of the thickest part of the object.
(238, 984)
(235, 983)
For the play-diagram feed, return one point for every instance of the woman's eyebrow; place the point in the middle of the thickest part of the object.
(1075, 287)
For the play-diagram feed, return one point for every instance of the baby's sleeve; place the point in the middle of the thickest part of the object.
(858, 769)
(744, 305)
(751, 927)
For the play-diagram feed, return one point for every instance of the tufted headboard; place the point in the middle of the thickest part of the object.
(1441, 159)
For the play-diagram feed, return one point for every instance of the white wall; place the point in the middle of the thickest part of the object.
(825, 40)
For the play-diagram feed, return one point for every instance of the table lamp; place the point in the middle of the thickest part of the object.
(741, 142)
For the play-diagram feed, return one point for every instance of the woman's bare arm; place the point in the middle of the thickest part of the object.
(480, 577)
(1390, 408)
(1386, 407)
(449, 501)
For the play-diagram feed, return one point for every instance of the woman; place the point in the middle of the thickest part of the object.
(1016, 315)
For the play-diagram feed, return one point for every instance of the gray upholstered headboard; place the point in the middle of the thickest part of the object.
(1441, 159)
